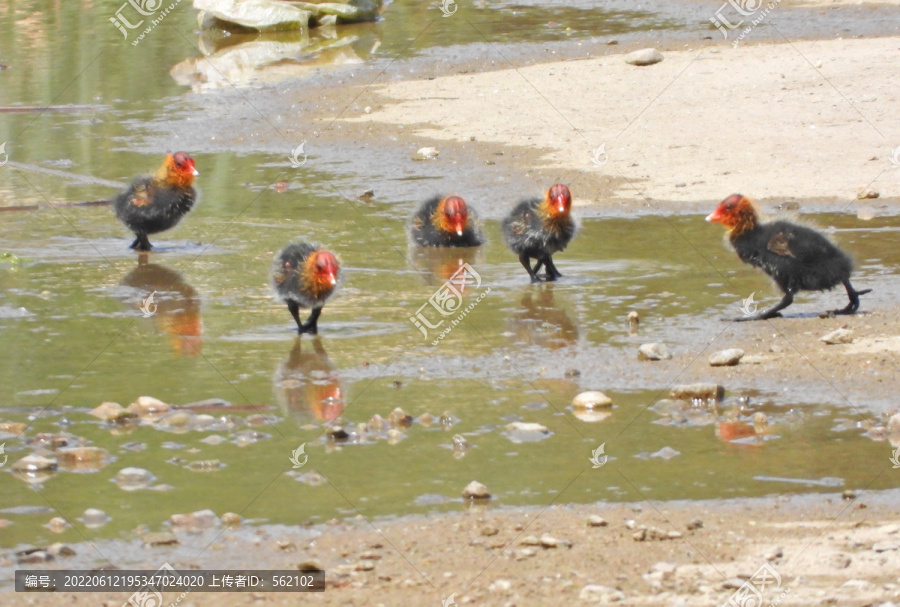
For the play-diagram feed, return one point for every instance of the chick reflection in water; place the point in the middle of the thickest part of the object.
(172, 302)
(539, 322)
(439, 264)
(307, 383)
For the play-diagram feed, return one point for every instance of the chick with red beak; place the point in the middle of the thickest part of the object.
(445, 222)
(155, 204)
(539, 227)
(305, 275)
(798, 258)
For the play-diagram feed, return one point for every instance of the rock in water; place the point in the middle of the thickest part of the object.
(263, 15)
(666, 453)
(110, 412)
(527, 427)
(645, 56)
(132, 479)
(426, 154)
(349, 12)
(476, 490)
(691, 391)
(840, 336)
(591, 399)
(654, 352)
(35, 463)
(146, 406)
(94, 518)
(726, 358)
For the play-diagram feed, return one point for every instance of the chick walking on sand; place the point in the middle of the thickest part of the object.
(155, 204)
(797, 258)
(304, 276)
(538, 228)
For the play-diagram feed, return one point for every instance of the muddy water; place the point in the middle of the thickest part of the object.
(72, 318)
(74, 335)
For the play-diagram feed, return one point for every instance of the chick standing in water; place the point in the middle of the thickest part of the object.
(445, 222)
(304, 276)
(796, 257)
(539, 228)
(155, 204)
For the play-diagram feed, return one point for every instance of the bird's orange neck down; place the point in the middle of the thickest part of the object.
(743, 220)
(171, 175)
(314, 279)
(552, 218)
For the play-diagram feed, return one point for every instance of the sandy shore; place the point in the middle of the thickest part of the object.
(827, 550)
(801, 120)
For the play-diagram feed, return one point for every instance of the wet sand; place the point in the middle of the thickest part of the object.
(827, 549)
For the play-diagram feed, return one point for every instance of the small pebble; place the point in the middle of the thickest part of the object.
(838, 336)
(231, 519)
(160, 539)
(867, 193)
(591, 399)
(726, 358)
(110, 412)
(596, 521)
(692, 391)
(94, 518)
(476, 490)
(644, 56)
(57, 524)
(427, 153)
(58, 549)
(654, 351)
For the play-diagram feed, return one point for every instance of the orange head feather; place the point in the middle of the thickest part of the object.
(451, 215)
(557, 202)
(177, 170)
(737, 213)
(320, 272)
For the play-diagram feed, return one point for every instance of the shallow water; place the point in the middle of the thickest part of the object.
(75, 336)
(217, 333)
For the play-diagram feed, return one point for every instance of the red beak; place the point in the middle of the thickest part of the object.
(561, 203)
(716, 216)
